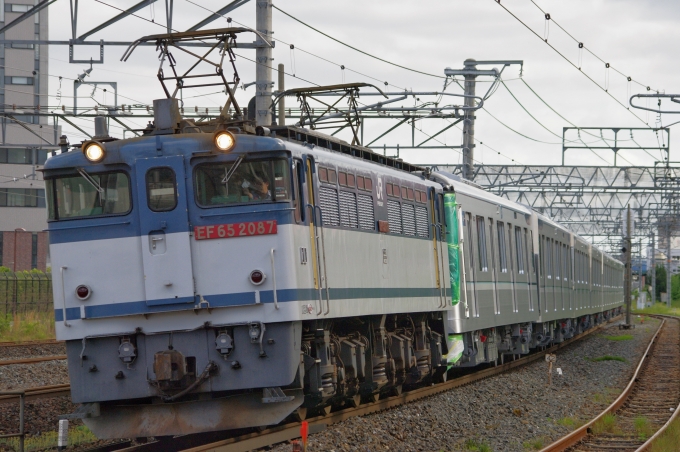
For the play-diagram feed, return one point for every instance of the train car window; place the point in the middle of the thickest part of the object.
(218, 184)
(161, 189)
(368, 183)
(404, 193)
(394, 216)
(510, 248)
(366, 214)
(502, 254)
(481, 239)
(348, 209)
(350, 180)
(76, 197)
(519, 250)
(323, 174)
(332, 177)
(565, 257)
(342, 178)
(410, 194)
(388, 189)
(557, 258)
(547, 248)
(360, 182)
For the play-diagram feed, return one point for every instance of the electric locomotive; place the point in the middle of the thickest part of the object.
(214, 275)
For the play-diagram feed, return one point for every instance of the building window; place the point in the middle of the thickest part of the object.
(15, 80)
(23, 156)
(15, 8)
(34, 250)
(22, 197)
(22, 45)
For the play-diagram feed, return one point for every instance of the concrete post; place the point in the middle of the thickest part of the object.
(668, 266)
(282, 100)
(653, 267)
(263, 58)
(629, 252)
(469, 123)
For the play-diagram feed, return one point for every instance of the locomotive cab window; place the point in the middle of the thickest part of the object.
(242, 182)
(88, 195)
(161, 189)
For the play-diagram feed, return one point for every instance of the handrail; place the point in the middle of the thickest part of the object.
(63, 295)
(316, 251)
(323, 253)
(276, 300)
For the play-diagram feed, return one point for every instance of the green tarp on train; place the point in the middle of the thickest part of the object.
(452, 241)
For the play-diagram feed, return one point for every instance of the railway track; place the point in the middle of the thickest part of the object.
(27, 343)
(286, 432)
(648, 404)
(37, 359)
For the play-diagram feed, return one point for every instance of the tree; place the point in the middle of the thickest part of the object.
(675, 287)
(660, 280)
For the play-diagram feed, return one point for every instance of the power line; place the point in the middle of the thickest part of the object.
(570, 62)
(356, 49)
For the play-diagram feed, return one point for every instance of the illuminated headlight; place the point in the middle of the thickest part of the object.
(224, 141)
(94, 151)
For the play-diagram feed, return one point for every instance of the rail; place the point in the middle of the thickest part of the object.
(21, 434)
(582, 432)
(41, 392)
(37, 359)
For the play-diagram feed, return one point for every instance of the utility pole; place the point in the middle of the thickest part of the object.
(263, 58)
(470, 73)
(629, 274)
(640, 270)
(282, 100)
(653, 267)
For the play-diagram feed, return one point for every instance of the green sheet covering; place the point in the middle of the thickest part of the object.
(451, 212)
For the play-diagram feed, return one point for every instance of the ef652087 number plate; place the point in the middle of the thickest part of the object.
(227, 231)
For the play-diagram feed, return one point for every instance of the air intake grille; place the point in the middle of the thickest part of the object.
(408, 219)
(394, 216)
(366, 215)
(328, 200)
(422, 225)
(348, 209)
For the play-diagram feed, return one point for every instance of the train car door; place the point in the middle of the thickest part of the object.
(318, 250)
(164, 223)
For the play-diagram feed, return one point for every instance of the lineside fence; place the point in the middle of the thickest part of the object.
(23, 292)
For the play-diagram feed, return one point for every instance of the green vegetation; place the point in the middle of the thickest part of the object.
(620, 337)
(76, 436)
(534, 444)
(669, 439)
(606, 424)
(477, 446)
(643, 428)
(28, 326)
(607, 358)
(661, 308)
(571, 422)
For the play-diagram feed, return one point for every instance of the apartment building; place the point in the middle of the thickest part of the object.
(26, 139)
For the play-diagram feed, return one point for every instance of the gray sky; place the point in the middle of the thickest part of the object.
(635, 37)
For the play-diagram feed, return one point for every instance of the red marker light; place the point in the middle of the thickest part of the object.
(83, 292)
(257, 277)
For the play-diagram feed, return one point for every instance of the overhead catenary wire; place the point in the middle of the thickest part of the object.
(570, 62)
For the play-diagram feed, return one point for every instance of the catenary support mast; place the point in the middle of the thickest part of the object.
(263, 56)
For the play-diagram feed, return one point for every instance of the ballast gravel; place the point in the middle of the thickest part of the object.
(32, 351)
(514, 411)
(22, 376)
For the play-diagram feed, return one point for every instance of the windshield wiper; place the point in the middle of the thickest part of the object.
(233, 169)
(94, 183)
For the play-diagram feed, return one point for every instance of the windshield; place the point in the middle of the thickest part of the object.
(76, 196)
(242, 181)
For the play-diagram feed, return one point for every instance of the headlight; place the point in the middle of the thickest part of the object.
(224, 141)
(94, 151)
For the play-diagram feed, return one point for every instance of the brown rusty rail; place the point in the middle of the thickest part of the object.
(584, 438)
(41, 392)
(37, 359)
(26, 343)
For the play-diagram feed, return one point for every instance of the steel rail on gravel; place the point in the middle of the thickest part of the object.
(27, 343)
(290, 431)
(37, 359)
(41, 392)
(581, 433)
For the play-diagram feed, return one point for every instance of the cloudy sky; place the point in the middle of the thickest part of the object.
(638, 38)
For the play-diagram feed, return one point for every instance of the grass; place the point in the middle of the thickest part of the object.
(28, 326)
(620, 337)
(643, 428)
(477, 446)
(607, 424)
(661, 308)
(76, 436)
(669, 439)
(534, 444)
(607, 358)
(571, 422)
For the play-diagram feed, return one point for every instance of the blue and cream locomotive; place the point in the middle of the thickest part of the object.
(210, 278)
